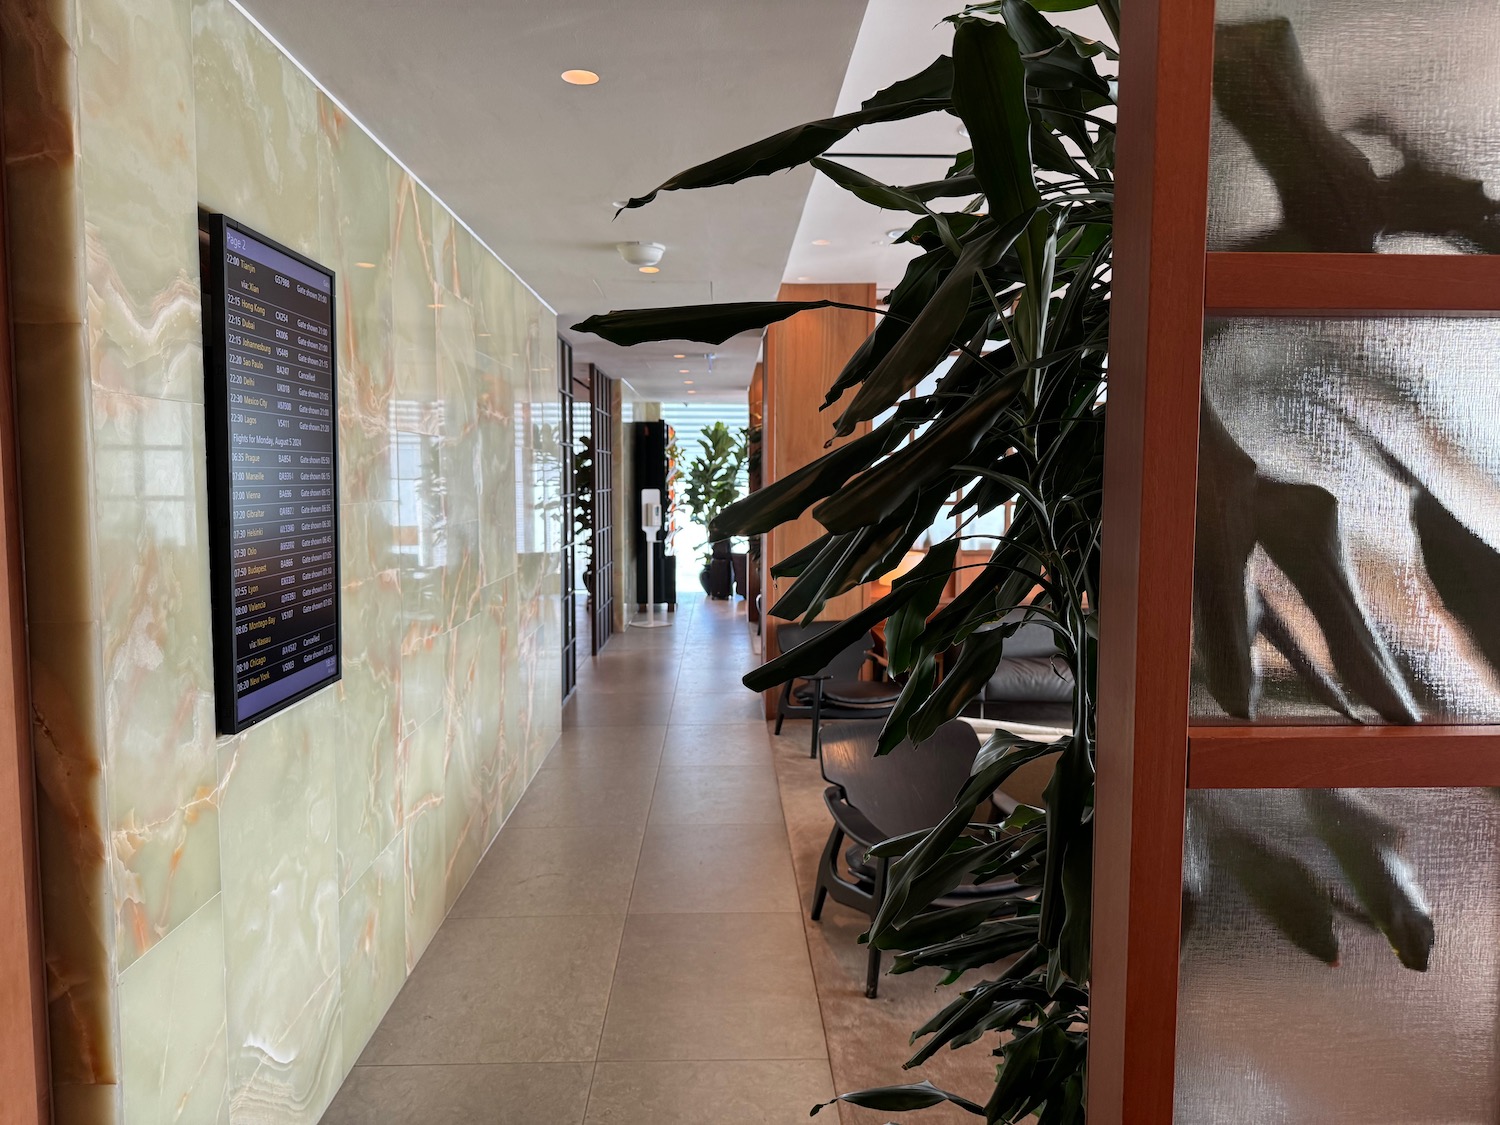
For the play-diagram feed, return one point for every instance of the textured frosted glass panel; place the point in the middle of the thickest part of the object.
(1355, 125)
(1349, 504)
(1268, 1034)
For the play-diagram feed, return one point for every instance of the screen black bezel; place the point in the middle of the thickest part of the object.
(220, 480)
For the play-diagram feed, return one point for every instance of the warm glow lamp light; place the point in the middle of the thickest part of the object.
(907, 564)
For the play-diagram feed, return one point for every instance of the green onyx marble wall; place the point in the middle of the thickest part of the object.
(228, 919)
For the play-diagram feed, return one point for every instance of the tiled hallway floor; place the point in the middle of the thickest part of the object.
(634, 948)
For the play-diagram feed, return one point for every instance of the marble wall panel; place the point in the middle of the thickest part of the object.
(257, 128)
(228, 919)
(372, 922)
(281, 917)
(157, 665)
(139, 180)
(422, 764)
(172, 1027)
(368, 714)
(472, 761)
(356, 228)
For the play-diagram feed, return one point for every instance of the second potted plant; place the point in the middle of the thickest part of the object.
(712, 484)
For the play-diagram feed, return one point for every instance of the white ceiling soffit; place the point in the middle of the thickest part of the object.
(898, 38)
(467, 94)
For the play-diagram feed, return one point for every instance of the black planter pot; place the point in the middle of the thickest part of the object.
(717, 576)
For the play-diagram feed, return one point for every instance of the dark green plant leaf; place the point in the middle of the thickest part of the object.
(933, 81)
(788, 498)
(989, 94)
(907, 623)
(789, 148)
(930, 337)
(881, 489)
(705, 324)
(921, 1095)
(869, 189)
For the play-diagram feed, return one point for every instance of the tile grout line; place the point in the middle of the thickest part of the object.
(625, 922)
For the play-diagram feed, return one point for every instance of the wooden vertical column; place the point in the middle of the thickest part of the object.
(25, 1083)
(1147, 584)
(803, 356)
(756, 475)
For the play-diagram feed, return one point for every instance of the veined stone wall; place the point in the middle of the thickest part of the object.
(228, 918)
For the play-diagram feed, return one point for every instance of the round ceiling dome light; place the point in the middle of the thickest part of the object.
(579, 77)
(641, 254)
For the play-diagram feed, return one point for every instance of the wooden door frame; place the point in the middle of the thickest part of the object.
(1166, 284)
(25, 1082)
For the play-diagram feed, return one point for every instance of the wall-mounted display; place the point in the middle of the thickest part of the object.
(272, 415)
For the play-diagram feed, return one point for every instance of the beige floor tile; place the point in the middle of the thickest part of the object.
(593, 747)
(511, 1094)
(492, 990)
(562, 798)
(710, 674)
(714, 745)
(727, 706)
(626, 709)
(725, 868)
(544, 871)
(716, 796)
(696, 1093)
(712, 986)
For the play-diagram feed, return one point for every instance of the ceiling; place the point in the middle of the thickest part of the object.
(898, 38)
(467, 94)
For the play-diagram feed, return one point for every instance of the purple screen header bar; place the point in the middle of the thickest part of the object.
(242, 244)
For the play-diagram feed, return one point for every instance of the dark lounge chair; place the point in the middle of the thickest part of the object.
(835, 692)
(873, 799)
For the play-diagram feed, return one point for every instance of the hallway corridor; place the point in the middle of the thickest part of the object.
(634, 950)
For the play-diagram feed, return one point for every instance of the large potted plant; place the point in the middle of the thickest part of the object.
(711, 485)
(1013, 279)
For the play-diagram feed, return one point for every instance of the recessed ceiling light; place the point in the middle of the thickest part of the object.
(435, 306)
(679, 355)
(894, 233)
(365, 265)
(687, 382)
(649, 269)
(579, 77)
(483, 335)
(692, 392)
(821, 242)
(682, 371)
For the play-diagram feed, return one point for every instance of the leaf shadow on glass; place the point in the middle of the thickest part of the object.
(1332, 198)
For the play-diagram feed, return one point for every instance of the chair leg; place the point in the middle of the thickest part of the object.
(786, 694)
(826, 871)
(872, 964)
(817, 714)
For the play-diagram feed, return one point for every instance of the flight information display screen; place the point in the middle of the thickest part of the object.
(273, 429)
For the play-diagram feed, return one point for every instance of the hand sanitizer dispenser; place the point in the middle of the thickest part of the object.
(651, 525)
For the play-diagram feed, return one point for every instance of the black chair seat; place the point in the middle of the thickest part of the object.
(861, 693)
(853, 693)
(835, 692)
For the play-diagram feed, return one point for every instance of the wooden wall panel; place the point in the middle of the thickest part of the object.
(802, 357)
